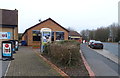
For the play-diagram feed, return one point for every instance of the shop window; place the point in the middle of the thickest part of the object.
(36, 35)
(59, 35)
(52, 36)
(75, 38)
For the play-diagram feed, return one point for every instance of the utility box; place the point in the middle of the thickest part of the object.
(7, 52)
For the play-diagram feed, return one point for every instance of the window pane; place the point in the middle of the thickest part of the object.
(36, 35)
(52, 36)
(59, 35)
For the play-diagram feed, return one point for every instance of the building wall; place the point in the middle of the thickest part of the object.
(9, 23)
(14, 33)
(47, 24)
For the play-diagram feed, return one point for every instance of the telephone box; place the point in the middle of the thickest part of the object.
(45, 37)
(7, 50)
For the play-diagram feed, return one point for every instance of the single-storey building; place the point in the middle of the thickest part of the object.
(8, 25)
(33, 36)
(74, 35)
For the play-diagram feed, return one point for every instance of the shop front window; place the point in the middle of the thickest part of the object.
(59, 35)
(36, 35)
(52, 36)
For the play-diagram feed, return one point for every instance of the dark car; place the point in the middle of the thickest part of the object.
(96, 44)
(23, 43)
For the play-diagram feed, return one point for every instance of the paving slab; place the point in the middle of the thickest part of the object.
(28, 63)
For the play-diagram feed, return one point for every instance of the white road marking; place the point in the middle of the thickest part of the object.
(7, 68)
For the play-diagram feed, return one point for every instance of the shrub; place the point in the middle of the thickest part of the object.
(64, 52)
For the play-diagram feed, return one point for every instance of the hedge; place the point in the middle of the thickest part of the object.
(65, 52)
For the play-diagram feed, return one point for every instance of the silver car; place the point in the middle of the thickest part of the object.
(96, 44)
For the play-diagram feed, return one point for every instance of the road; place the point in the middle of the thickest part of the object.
(100, 65)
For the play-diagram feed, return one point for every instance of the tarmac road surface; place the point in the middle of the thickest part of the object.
(100, 65)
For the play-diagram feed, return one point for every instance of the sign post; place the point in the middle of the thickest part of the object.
(7, 50)
(45, 37)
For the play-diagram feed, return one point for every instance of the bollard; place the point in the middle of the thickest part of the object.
(7, 53)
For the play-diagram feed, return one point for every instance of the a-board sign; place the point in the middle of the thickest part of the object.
(45, 37)
(6, 49)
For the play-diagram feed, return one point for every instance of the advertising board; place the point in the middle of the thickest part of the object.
(5, 35)
(7, 49)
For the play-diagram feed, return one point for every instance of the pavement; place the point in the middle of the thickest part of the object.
(99, 64)
(3, 65)
(112, 48)
(108, 55)
(28, 63)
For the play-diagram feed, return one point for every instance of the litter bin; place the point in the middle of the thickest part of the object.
(7, 52)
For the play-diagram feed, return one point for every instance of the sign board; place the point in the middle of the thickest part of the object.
(7, 49)
(5, 35)
(45, 37)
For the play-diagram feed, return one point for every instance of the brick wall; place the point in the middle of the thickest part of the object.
(48, 24)
(14, 33)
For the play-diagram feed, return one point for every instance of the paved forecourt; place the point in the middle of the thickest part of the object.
(28, 63)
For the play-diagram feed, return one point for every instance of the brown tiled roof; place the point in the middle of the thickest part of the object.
(74, 33)
(9, 17)
(43, 22)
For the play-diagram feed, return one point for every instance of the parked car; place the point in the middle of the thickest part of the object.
(96, 44)
(23, 43)
(90, 42)
(119, 42)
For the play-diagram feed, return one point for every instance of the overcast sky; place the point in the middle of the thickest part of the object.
(77, 14)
